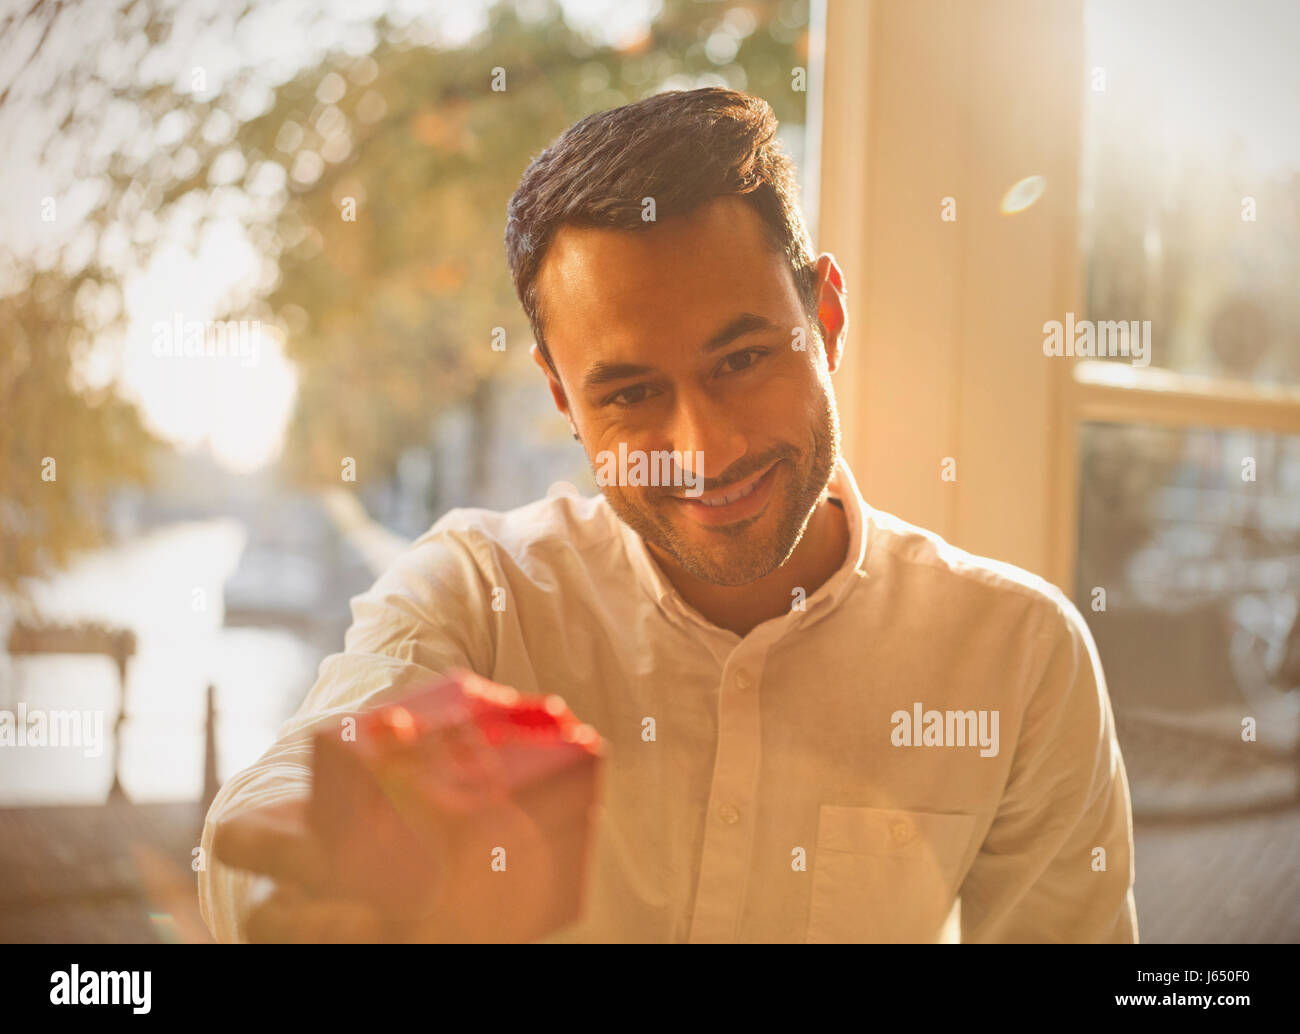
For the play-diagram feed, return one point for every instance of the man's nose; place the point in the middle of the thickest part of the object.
(701, 426)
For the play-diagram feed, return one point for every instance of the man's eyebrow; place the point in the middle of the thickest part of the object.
(746, 323)
(602, 373)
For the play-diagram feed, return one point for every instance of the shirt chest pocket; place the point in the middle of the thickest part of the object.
(886, 875)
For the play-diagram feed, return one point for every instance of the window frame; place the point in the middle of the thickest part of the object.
(912, 106)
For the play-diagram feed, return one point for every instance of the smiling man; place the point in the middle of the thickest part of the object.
(697, 321)
(750, 637)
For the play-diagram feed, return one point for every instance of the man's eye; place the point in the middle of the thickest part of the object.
(629, 396)
(738, 361)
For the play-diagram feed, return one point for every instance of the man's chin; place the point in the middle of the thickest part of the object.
(734, 554)
(706, 536)
(728, 554)
(731, 578)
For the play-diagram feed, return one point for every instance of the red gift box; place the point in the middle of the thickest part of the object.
(466, 805)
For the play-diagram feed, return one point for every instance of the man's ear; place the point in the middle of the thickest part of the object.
(557, 389)
(832, 308)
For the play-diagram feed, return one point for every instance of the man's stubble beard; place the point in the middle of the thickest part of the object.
(726, 564)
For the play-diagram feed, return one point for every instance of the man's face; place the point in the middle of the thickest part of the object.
(682, 337)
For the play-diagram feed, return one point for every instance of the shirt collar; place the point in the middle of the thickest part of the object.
(842, 486)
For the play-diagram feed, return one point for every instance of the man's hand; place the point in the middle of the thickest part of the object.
(294, 905)
(297, 904)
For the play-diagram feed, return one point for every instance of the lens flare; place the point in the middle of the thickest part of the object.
(1023, 194)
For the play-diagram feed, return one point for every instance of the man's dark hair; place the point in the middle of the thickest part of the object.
(682, 148)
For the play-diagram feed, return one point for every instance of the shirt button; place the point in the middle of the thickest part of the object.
(729, 814)
(743, 681)
(902, 832)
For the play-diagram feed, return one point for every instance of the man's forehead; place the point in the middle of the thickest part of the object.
(625, 277)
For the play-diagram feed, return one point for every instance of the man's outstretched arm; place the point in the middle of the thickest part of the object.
(422, 618)
(1057, 863)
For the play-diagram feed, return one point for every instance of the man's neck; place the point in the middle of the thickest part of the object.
(742, 608)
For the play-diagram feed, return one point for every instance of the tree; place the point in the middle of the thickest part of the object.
(63, 446)
(377, 185)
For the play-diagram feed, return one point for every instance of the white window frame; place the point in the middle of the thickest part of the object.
(924, 99)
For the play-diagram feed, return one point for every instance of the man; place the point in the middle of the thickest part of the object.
(823, 723)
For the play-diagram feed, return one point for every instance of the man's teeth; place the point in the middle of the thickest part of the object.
(740, 493)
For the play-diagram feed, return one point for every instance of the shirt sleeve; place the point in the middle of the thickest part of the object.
(422, 617)
(1057, 863)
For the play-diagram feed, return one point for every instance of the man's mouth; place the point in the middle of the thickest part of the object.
(730, 497)
(732, 503)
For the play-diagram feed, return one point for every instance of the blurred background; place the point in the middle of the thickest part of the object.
(257, 331)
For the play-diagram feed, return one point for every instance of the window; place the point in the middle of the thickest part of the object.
(1188, 465)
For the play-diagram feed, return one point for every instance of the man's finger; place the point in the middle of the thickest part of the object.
(274, 840)
(290, 917)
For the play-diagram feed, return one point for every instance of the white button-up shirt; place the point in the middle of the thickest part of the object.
(807, 782)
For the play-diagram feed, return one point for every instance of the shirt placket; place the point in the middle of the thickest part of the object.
(729, 826)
